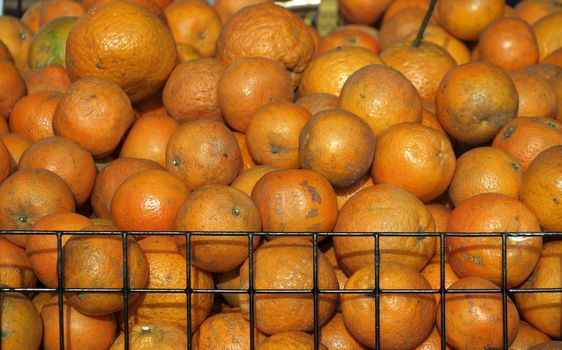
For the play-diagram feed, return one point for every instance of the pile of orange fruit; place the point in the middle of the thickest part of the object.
(162, 116)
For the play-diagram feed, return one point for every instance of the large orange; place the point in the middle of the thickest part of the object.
(140, 57)
(466, 19)
(20, 323)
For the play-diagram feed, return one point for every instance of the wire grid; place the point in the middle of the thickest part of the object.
(315, 291)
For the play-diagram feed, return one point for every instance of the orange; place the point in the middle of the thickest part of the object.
(32, 116)
(474, 100)
(145, 337)
(195, 23)
(294, 340)
(15, 268)
(41, 299)
(482, 256)
(546, 70)
(51, 78)
(148, 138)
(370, 101)
(362, 11)
(425, 66)
(405, 319)
(29, 194)
(218, 208)
(344, 193)
(440, 214)
(248, 84)
(247, 160)
(248, 178)
(338, 145)
(533, 10)
(327, 72)
(347, 35)
(284, 263)
(225, 330)
(13, 87)
(31, 16)
(132, 60)
(537, 97)
(383, 208)
(475, 320)
(318, 102)
(432, 342)
(84, 332)
(187, 52)
(273, 134)
(485, 170)
(295, 200)
(97, 262)
(16, 145)
(528, 336)
(430, 120)
(415, 158)
(58, 8)
(49, 43)
(17, 37)
(226, 8)
(542, 310)
(399, 5)
(191, 91)
(556, 83)
(19, 322)
(334, 335)
(466, 19)
(65, 158)
(540, 188)
(111, 177)
(148, 201)
(432, 273)
(554, 58)
(455, 47)
(401, 26)
(95, 113)
(524, 138)
(6, 162)
(549, 33)
(202, 153)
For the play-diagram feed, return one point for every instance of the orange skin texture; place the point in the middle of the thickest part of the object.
(226, 8)
(148, 138)
(474, 321)
(148, 201)
(383, 208)
(218, 208)
(537, 97)
(429, 119)
(525, 138)
(286, 263)
(229, 329)
(5, 162)
(425, 66)
(132, 62)
(474, 101)
(247, 161)
(344, 193)
(549, 33)
(111, 177)
(295, 200)
(482, 256)
(485, 170)
(17, 37)
(195, 23)
(97, 123)
(334, 335)
(440, 214)
(432, 273)
(51, 78)
(528, 336)
(328, 71)
(152, 6)
(15, 268)
(347, 37)
(400, 26)
(21, 322)
(247, 85)
(203, 153)
(32, 116)
(97, 262)
(541, 188)
(432, 342)
(65, 158)
(408, 315)
(16, 145)
(273, 134)
(317, 102)
(338, 145)
(554, 58)
(60, 8)
(556, 83)
(266, 30)
(437, 35)
(12, 87)
(42, 250)
(362, 11)
(168, 270)
(398, 5)
(415, 158)
(533, 10)
(466, 19)
(542, 310)
(191, 91)
(289, 341)
(509, 43)
(368, 100)
(248, 178)
(30, 194)
(85, 332)
(161, 336)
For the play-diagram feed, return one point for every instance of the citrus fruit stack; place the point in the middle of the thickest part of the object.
(156, 117)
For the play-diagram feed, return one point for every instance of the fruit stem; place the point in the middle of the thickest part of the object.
(424, 23)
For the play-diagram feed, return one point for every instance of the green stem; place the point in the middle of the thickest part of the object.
(424, 24)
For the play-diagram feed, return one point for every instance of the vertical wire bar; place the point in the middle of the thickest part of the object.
(251, 291)
(125, 240)
(377, 293)
(315, 287)
(442, 289)
(188, 287)
(504, 289)
(60, 289)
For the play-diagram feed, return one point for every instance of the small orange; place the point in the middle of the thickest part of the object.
(362, 11)
(247, 179)
(318, 102)
(15, 269)
(549, 33)
(466, 19)
(537, 97)
(32, 116)
(402, 25)
(347, 35)
(334, 335)
(528, 336)
(13, 87)
(50, 78)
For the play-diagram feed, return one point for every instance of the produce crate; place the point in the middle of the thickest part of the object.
(315, 291)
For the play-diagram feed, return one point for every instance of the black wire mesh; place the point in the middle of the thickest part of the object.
(315, 290)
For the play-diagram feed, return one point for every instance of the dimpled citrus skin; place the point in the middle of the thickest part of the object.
(122, 42)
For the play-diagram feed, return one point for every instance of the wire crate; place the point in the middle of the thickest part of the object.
(315, 291)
